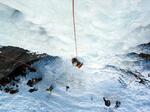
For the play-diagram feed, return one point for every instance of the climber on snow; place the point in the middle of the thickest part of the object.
(76, 62)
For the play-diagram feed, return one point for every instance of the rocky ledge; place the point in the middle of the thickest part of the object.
(15, 61)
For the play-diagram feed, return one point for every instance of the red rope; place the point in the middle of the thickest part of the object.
(74, 27)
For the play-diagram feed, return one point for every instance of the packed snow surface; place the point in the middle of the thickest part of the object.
(106, 30)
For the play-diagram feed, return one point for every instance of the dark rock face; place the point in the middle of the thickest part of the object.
(144, 56)
(15, 61)
(107, 102)
(50, 89)
(141, 51)
(141, 55)
(144, 48)
(32, 90)
(34, 81)
(138, 63)
(118, 103)
(67, 87)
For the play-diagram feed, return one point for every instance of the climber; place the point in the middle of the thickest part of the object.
(76, 62)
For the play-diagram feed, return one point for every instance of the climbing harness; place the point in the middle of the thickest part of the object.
(75, 61)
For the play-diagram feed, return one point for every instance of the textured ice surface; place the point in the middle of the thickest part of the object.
(105, 29)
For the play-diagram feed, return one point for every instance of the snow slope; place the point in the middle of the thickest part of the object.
(105, 30)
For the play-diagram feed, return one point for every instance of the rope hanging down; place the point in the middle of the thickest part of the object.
(75, 61)
(74, 28)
